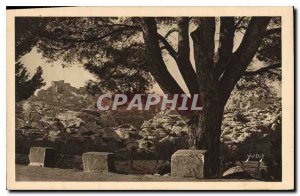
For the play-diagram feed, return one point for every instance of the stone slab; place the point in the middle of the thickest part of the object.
(98, 161)
(42, 157)
(188, 163)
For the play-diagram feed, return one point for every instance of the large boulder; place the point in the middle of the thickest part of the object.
(127, 131)
(163, 130)
(69, 119)
(233, 170)
(242, 124)
(236, 172)
(98, 161)
(189, 163)
(42, 157)
(145, 143)
(54, 136)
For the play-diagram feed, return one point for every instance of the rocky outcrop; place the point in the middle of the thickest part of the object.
(241, 124)
(40, 122)
(164, 134)
(237, 125)
(164, 124)
(127, 131)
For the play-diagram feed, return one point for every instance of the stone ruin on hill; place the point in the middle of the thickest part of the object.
(61, 94)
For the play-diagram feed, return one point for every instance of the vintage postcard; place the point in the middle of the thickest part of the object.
(150, 98)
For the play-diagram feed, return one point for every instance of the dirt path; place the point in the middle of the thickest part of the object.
(31, 173)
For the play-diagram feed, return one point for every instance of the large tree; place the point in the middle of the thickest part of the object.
(118, 50)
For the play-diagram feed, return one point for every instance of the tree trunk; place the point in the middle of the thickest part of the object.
(205, 132)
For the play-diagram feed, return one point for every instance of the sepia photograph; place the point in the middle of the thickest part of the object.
(157, 98)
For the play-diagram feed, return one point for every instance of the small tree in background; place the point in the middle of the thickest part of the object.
(26, 86)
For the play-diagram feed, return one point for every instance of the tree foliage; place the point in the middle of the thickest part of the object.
(26, 86)
(269, 52)
(110, 43)
(27, 31)
(110, 48)
(26, 37)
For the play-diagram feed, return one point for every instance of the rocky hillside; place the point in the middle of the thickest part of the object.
(237, 125)
(65, 118)
(75, 132)
(38, 123)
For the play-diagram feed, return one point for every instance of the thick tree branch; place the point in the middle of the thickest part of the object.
(244, 54)
(227, 30)
(251, 41)
(262, 70)
(167, 46)
(184, 64)
(204, 44)
(156, 65)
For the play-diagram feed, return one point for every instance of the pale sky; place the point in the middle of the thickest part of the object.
(76, 75)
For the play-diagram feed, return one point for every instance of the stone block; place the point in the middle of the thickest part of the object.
(42, 157)
(98, 161)
(188, 163)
